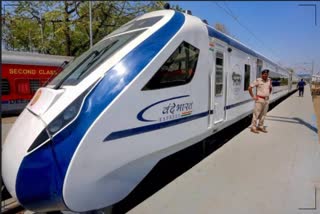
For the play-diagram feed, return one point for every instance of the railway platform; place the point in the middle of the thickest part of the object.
(276, 172)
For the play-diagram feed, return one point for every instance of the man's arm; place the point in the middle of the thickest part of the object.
(251, 93)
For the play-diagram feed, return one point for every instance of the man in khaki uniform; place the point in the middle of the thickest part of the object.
(264, 88)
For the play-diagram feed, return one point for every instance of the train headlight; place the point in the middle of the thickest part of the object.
(70, 112)
(66, 116)
(59, 122)
(62, 120)
(55, 126)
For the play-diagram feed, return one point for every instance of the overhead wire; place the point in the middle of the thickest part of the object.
(229, 9)
(232, 15)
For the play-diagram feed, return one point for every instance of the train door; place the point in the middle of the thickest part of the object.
(218, 87)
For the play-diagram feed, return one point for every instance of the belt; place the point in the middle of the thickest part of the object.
(263, 97)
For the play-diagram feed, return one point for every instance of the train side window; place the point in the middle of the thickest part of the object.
(5, 87)
(275, 78)
(34, 85)
(23, 86)
(177, 70)
(219, 74)
(246, 76)
(283, 80)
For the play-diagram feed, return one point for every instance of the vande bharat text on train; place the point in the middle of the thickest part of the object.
(97, 128)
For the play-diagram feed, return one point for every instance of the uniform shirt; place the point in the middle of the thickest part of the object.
(263, 87)
(301, 84)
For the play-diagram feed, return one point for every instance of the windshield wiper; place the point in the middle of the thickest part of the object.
(102, 51)
(95, 53)
(58, 70)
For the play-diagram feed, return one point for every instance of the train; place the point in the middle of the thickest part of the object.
(23, 74)
(160, 83)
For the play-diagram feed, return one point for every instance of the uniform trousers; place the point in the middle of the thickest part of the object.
(259, 113)
(301, 90)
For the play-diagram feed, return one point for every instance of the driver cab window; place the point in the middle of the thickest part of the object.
(177, 70)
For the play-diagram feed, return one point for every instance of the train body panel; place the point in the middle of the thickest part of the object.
(160, 83)
(152, 114)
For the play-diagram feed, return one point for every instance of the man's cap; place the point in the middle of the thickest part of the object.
(265, 70)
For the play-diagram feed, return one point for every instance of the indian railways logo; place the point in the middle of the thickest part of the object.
(166, 110)
(36, 97)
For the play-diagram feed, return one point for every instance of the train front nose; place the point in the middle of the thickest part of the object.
(29, 170)
(19, 139)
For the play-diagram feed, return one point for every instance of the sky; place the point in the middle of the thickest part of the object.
(284, 32)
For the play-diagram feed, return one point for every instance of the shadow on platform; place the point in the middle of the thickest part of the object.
(292, 120)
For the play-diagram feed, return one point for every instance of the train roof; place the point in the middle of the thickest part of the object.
(27, 58)
(234, 43)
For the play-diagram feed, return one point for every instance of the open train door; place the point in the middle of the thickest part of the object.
(218, 92)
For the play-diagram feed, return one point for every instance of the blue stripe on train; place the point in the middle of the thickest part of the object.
(237, 104)
(142, 129)
(38, 169)
(148, 128)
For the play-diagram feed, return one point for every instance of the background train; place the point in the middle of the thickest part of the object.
(22, 74)
(160, 83)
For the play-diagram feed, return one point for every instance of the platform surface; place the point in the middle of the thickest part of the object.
(273, 173)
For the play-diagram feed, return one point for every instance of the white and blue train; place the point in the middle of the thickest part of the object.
(158, 84)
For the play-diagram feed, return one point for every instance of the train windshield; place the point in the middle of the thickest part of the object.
(137, 24)
(82, 66)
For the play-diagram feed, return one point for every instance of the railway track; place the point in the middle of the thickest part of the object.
(9, 204)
